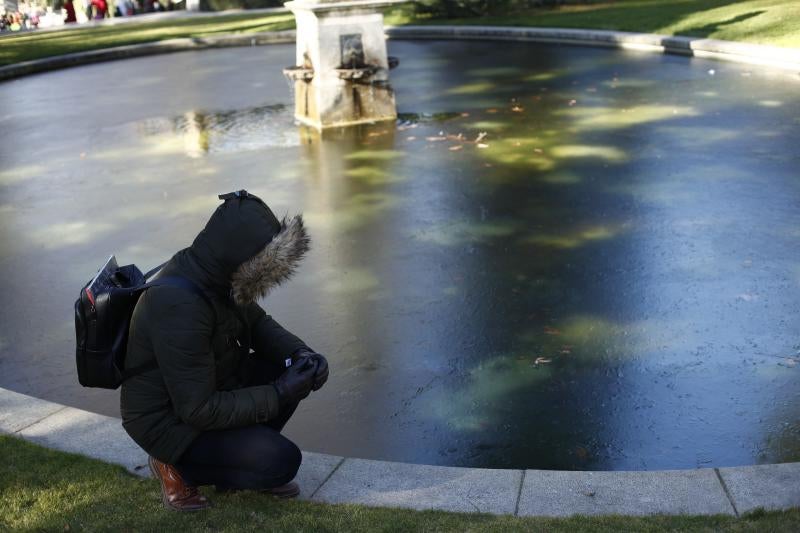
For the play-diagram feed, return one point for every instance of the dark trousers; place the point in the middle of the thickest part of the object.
(247, 458)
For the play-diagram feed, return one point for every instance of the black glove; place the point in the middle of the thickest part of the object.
(296, 381)
(320, 366)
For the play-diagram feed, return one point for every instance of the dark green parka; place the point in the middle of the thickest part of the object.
(241, 254)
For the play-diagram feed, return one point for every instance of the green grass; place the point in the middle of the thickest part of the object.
(32, 45)
(772, 22)
(45, 490)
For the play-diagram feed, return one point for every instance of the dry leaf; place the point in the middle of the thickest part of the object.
(411, 138)
(435, 139)
(542, 361)
(551, 331)
(538, 150)
(481, 145)
(482, 135)
(573, 102)
(455, 148)
(517, 109)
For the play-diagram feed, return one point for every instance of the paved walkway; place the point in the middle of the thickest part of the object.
(332, 479)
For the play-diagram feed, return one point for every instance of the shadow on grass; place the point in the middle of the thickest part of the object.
(709, 29)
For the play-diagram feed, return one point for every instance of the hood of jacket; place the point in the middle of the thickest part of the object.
(245, 251)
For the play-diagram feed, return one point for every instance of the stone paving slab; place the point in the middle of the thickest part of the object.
(315, 469)
(385, 484)
(18, 411)
(555, 493)
(768, 486)
(97, 436)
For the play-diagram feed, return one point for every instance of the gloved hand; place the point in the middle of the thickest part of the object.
(320, 366)
(296, 381)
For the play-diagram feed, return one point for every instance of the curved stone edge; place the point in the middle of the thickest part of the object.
(782, 58)
(137, 50)
(332, 479)
(771, 56)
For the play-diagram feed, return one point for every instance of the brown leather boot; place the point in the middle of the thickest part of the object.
(290, 490)
(175, 493)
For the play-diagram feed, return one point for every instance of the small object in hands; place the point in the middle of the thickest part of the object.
(320, 367)
(295, 383)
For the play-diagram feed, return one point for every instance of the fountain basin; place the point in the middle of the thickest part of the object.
(607, 284)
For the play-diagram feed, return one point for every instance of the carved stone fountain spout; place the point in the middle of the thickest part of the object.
(342, 73)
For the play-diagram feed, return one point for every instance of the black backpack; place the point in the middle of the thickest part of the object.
(102, 318)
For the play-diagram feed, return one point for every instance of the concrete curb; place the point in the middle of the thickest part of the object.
(780, 58)
(332, 479)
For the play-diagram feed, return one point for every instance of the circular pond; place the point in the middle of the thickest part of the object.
(559, 257)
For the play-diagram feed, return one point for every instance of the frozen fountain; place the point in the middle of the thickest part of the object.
(341, 76)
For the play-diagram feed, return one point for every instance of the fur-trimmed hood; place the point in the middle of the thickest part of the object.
(244, 250)
(273, 265)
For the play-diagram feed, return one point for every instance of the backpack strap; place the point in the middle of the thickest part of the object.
(172, 281)
(154, 270)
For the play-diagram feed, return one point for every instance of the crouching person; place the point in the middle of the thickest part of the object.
(221, 377)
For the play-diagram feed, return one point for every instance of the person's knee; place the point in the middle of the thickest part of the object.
(291, 457)
(281, 465)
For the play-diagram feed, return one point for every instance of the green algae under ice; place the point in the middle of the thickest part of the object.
(557, 257)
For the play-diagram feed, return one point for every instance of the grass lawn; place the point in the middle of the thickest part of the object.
(45, 490)
(32, 45)
(773, 22)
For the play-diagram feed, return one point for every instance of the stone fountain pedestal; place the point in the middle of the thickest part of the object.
(341, 76)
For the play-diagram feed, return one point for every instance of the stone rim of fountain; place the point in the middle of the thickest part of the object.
(333, 479)
(780, 59)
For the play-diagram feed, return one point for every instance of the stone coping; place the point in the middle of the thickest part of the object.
(780, 58)
(783, 58)
(332, 479)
